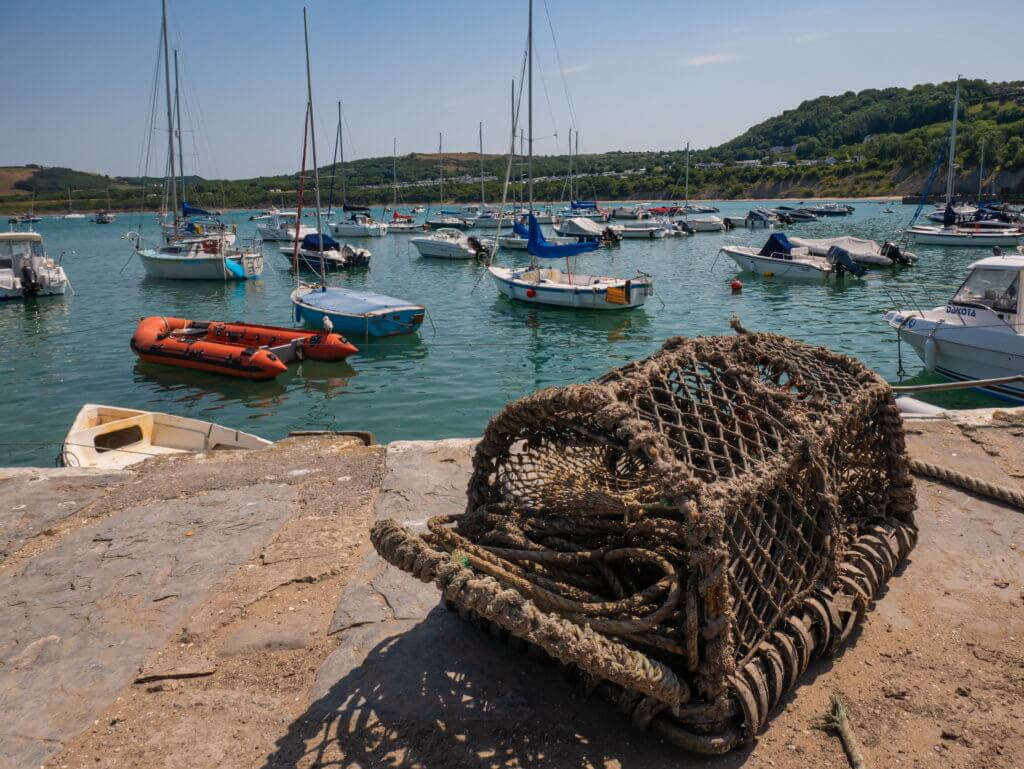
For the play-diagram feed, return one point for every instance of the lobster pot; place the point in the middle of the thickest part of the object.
(686, 533)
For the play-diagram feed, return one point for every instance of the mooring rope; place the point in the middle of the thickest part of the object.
(971, 483)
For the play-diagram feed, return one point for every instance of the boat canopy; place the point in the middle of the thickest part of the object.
(312, 242)
(538, 246)
(187, 210)
(349, 302)
(777, 243)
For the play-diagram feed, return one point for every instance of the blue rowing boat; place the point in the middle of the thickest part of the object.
(356, 312)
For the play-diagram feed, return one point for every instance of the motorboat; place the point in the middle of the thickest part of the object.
(969, 237)
(979, 333)
(24, 219)
(861, 250)
(706, 223)
(558, 288)
(831, 209)
(451, 221)
(402, 224)
(629, 212)
(789, 214)
(113, 438)
(690, 208)
(647, 229)
(316, 251)
(356, 312)
(25, 269)
(243, 350)
(282, 226)
(73, 216)
(757, 218)
(104, 217)
(447, 243)
(779, 258)
(264, 216)
(517, 242)
(493, 220)
(358, 225)
(583, 209)
(208, 259)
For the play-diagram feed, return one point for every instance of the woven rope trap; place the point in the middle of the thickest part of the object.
(684, 534)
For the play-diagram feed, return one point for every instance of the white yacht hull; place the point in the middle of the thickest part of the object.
(640, 233)
(344, 230)
(205, 267)
(981, 238)
(634, 292)
(710, 224)
(268, 232)
(442, 250)
(772, 267)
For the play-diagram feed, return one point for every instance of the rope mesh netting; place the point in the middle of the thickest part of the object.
(686, 532)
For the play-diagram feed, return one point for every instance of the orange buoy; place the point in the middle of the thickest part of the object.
(234, 349)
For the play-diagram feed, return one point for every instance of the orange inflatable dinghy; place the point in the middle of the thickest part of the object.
(236, 349)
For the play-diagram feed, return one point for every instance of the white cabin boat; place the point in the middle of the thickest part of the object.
(358, 225)
(114, 438)
(979, 333)
(706, 223)
(448, 243)
(282, 226)
(980, 237)
(25, 269)
(209, 259)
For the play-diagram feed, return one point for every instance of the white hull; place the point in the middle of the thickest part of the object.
(14, 291)
(796, 269)
(706, 224)
(442, 250)
(639, 233)
(115, 438)
(205, 267)
(269, 232)
(589, 292)
(517, 243)
(939, 236)
(346, 230)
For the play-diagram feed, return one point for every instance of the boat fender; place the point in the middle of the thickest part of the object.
(931, 349)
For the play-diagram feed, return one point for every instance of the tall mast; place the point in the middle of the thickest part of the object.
(687, 179)
(981, 170)
(394, 173)
(177, 111)
(312, 141)
(483, 200)
(571, 196)
(170, 114)
(513, 119)
(522, 167)
(440, 167)
(952, 145)
(529, 112)
(341, 150)
(334, 162)
(576, 166)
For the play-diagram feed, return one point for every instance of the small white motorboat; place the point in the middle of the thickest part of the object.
(979, 237)
(642, 230)
(315, 253)
(113, 438)
(557, 288)
(862, 250)
(282, 225)
(778, 258)
(358, 225)
(519, 243)
(449, 243)
(705, 223)
(25, 269)
(979, 333)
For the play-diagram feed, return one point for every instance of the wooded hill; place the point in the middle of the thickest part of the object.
(873, 142)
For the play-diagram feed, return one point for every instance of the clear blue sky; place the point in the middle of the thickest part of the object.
(649, 74)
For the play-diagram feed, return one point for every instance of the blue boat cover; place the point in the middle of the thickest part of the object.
(312, 243)
(187, 210)
(583, 205)
(538, 246)
(777, 243)
(350, 302)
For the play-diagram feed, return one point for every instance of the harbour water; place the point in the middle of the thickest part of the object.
(475, 352)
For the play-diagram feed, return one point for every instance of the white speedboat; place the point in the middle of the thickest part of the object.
(861, 250)
(25, 269)
(448, 243)
(114, 438)
(979, 333)
(282, 226)
(209, 259)
(517, 242)
(642, 230)
(324, 254)
(555, 287)
(358, 225)
(581, 228)
(706, 223)
(924, 234)
(778, 258)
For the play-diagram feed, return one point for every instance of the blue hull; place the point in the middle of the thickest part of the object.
(382, 324)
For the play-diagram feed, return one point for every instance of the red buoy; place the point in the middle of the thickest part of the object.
(531, 293)
(737, 286)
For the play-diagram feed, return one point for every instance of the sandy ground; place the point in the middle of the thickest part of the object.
(305, 651)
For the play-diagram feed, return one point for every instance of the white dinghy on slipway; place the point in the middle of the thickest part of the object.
(114, 438)
(979, 333)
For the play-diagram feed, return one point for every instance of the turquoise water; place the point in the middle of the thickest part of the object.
(475, 352)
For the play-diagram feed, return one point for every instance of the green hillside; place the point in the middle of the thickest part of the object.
(874, 142)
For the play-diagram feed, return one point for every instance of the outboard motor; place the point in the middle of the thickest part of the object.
(610, 237)
(685, 227)
(728, 224)
(842, 261)
(30, 285)
(892, 251)
(478, 248)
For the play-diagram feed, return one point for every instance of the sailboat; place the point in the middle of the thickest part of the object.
(553, 286)
(27, 218)
(955, 231)
(106, 216)
(345, 310)
(359, 223)
(189, 251)
(71, 213)
(400, 224)
(702, 223)
(444, 218)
